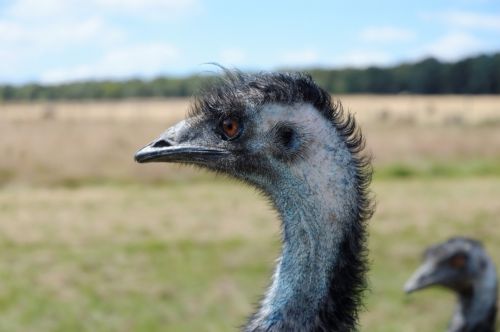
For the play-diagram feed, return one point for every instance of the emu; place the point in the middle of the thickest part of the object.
(462, 265)
(282, 133)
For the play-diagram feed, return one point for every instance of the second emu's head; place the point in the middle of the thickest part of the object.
(456, 264)
(462, 265)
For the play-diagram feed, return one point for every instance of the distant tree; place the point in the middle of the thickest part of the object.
(427, 77)
(476, 75)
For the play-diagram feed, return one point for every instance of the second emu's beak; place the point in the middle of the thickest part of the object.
(179, 144)
(424, 276)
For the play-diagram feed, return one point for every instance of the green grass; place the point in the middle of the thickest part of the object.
(394, 171)
(457, 169)
(196, 256)
(148, 285)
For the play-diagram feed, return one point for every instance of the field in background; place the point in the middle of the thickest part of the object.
(95, 141)
(90, 241)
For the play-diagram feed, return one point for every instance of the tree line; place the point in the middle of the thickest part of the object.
(473, 75)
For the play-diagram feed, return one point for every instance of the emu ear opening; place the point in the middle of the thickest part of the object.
(289, 141)
(286, 136)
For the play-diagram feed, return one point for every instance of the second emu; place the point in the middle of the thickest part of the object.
(463, 266)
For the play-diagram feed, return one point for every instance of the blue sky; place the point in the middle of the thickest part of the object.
(54, 41)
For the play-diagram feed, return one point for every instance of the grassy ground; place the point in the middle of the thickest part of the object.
(89, 241)
(175, 258)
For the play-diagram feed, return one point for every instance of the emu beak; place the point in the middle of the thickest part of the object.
(424, 276)
(179, 145)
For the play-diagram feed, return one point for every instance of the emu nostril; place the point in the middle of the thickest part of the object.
(161, 144)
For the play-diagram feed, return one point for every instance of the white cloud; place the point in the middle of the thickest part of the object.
(24, 48)
(53, 34)
(60, 9)
(144, 60)
(33, 9)
(453, 46)
(307, 57)
(355, 58)
(363, 58)
(386, 34)
(232, 57)
(36, 34)
(468, 20)
(466, 34)
(163, 7)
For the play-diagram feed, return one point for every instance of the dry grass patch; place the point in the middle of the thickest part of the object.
(95, 141)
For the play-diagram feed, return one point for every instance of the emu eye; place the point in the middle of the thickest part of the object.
(458, 261)
(231, 128)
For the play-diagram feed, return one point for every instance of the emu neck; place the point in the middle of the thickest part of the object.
(477, 306)
(320, 274)
(314, 284)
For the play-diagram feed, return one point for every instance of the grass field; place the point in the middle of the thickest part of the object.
(90, 241)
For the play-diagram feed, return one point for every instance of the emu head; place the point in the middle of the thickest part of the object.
(266, 129)
(454, 264)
